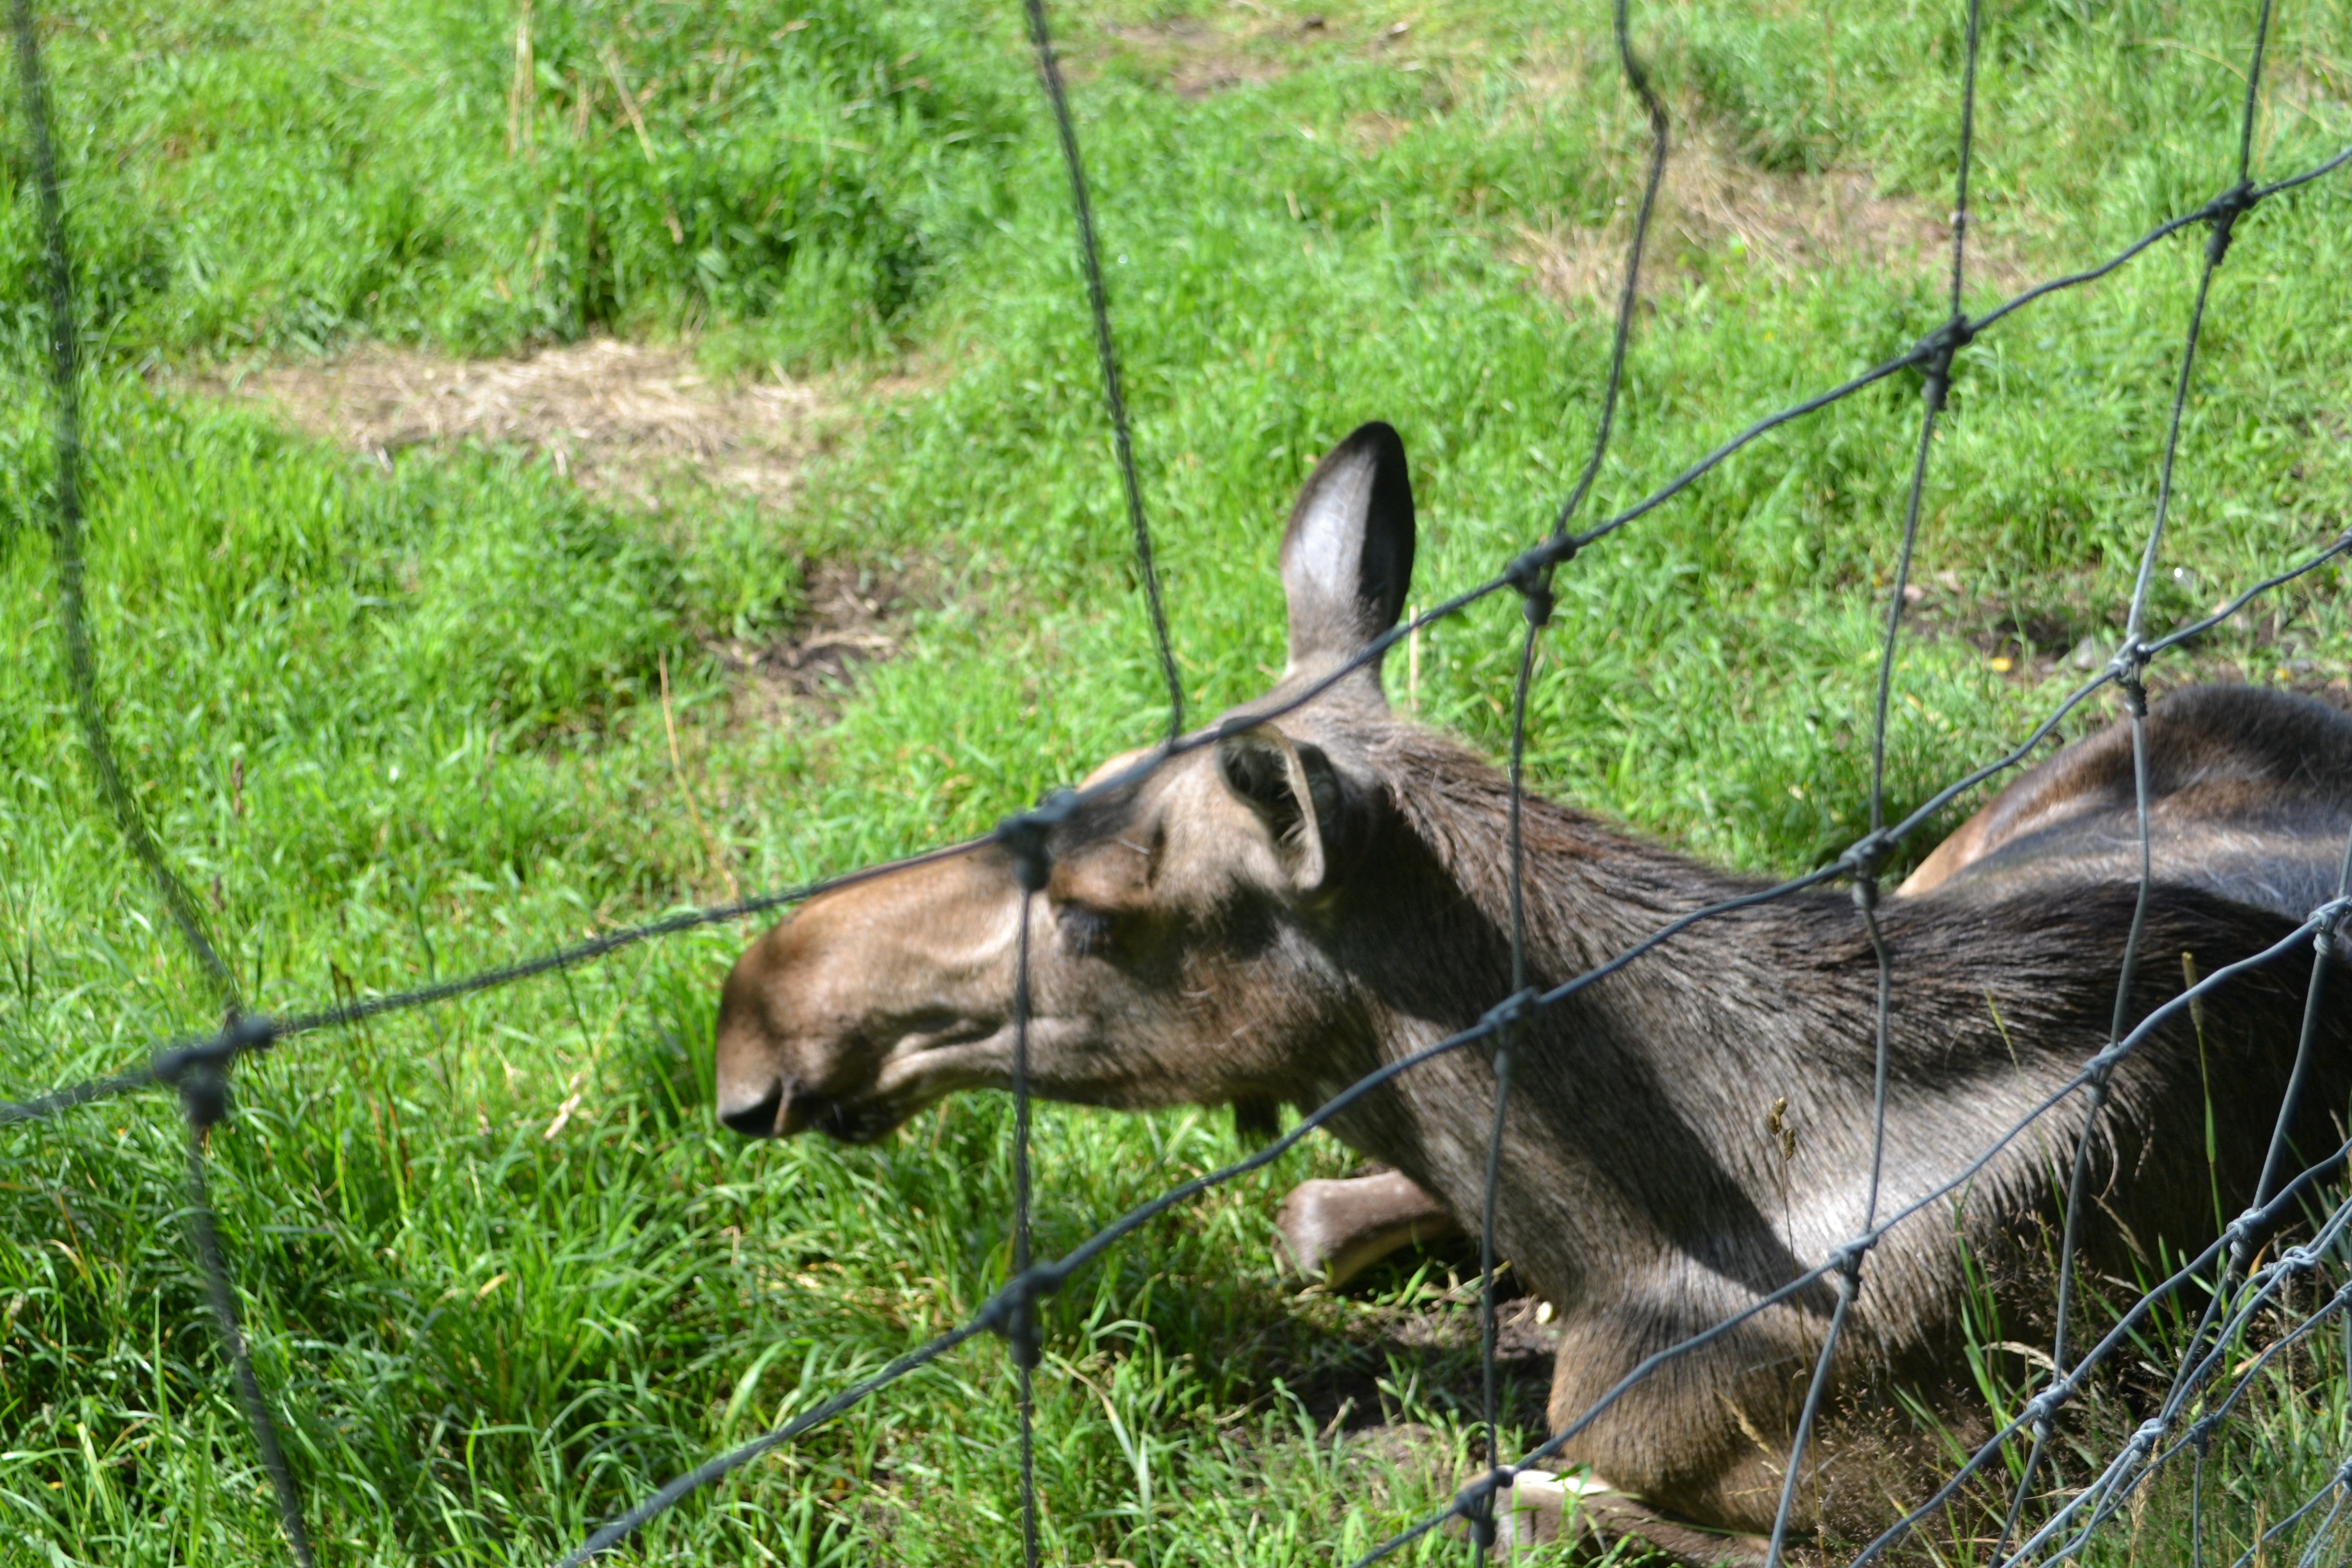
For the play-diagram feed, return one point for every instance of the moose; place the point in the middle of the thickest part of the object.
(1264, 919)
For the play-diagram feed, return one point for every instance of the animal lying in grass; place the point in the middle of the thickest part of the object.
(1270, 918)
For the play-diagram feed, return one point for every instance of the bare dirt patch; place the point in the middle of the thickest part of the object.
(1713, 205)
(851, 614)
(1198, 55)
(617, 418)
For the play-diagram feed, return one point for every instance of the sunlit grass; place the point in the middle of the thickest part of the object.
(501, 1270)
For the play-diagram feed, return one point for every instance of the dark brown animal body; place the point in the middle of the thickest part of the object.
(2249, 795)
(1272, 918)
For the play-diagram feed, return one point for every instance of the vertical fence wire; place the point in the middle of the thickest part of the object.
(2132, 659)
(1863, 862)
(1049, 70)
(203, 1094)
(1536, 605)
(201, 1082)
(1024, 1334)
(2323, 955)
(65, 369)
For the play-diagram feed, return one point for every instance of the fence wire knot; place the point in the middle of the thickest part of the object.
(1535, 603)
(1024, 836)
(2242, 1231)
(2299, 1261)
(2126, 666)
(1845, 1266)
(1012, 1313)
(2223, 213)
(247, 1032)
(1860, 862)
(1935, 353)
(2035, 1416)
(1480, 1513)
(203, 1094)
(1510, 1010)
(1475, 1503)
(1530, 574)
(2097, 1071)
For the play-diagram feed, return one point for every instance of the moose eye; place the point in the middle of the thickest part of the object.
(1083, 933)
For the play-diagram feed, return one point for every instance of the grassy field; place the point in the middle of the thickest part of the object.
(401, 718)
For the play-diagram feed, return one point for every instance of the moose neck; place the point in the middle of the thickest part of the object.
(1588, 890)
(1638, 1122)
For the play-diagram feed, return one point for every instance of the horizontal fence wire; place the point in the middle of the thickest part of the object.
(1062, 803)
(169, 1060)
(198, 1065)
(1029, 866)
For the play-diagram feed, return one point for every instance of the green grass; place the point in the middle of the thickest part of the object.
(395, 725)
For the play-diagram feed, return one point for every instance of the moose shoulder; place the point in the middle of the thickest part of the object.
(1271, 919)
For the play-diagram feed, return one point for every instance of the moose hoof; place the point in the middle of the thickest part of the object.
(1543, 1509)
(1331, 1231)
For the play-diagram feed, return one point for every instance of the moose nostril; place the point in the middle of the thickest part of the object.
(756, 1119)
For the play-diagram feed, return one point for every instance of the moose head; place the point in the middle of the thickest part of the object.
(1184, 948)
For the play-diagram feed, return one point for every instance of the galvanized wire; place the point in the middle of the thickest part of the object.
(169, 1059)
(1536, 605)
(65, 375)
(195, 1063)
(1049, 71)
(203, 1096)
(2135, 698)
(1863, 857)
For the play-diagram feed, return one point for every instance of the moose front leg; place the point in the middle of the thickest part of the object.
(1543, 1509)
(1333, 1230)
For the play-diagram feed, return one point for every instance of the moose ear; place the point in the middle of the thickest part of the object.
(1297, 792)
(1346, 556)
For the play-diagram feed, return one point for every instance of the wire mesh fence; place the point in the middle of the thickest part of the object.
(2245, 1298)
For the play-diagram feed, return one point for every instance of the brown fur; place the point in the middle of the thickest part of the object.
(1272, 917)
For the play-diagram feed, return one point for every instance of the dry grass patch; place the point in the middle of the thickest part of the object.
(1714, 207)
(626, 422)
(618, 418)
